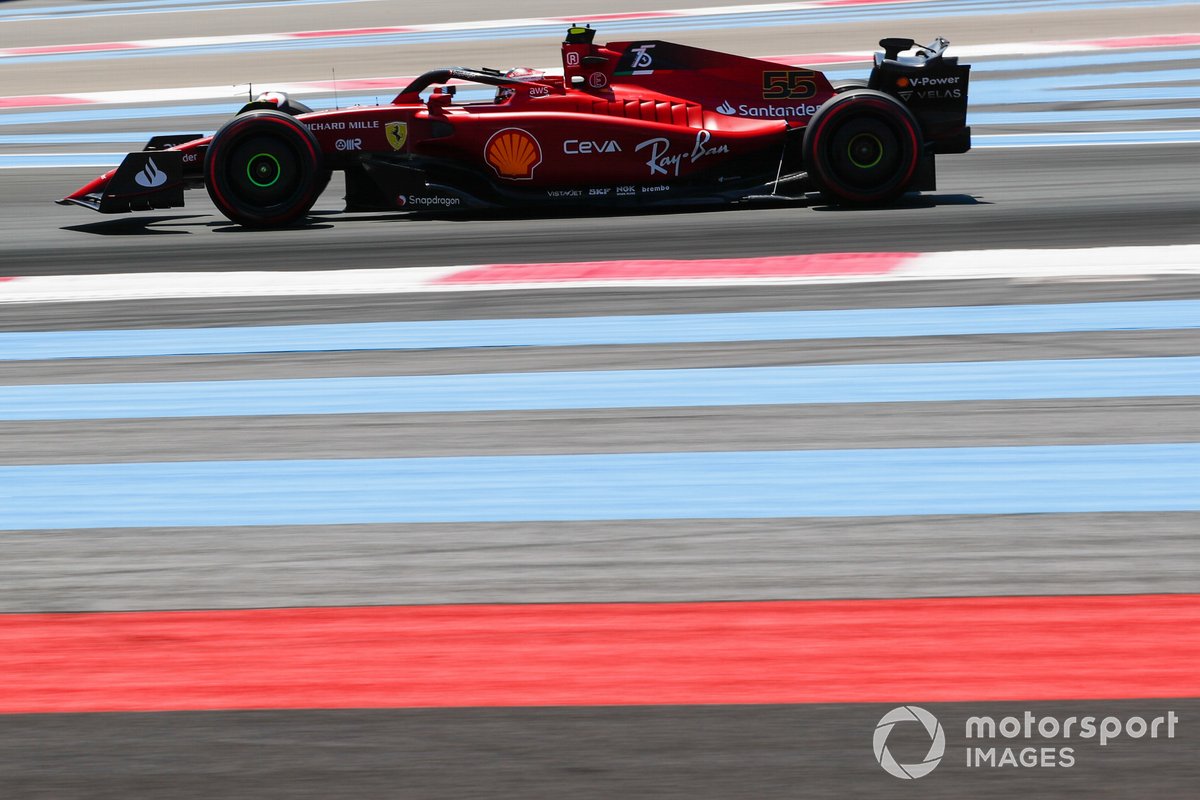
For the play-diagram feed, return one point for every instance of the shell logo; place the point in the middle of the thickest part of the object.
(513, 153)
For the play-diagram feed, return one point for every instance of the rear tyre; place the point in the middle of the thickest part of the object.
(850, 83)
(862, 148)
(264, 169)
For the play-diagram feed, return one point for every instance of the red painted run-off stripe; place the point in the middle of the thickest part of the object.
(90, 47)
(974, 649)
(28, 100)
(802, 266)
(1173, 40)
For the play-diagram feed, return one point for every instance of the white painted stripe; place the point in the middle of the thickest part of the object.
(1023, 265)
(152, 285)
(1097, 262)
(204, 41)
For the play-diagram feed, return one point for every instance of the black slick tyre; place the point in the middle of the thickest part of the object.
(850, 83)
(862, 148)
(264, 169)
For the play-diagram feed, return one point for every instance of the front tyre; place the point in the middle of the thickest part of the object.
(264, 169)
(862, 148)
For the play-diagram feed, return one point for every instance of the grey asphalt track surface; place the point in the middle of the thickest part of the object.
(586, 562)
(1048, 198)
(680, 753)
(1055, 197)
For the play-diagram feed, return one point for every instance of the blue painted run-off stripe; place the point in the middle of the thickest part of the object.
(607, 330)
(821, 483)
(842, 383)
(84, 137)
(1001, 92)
(63, 160)
(43, 13)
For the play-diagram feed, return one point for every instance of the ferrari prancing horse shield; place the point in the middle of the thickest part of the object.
(397, 134)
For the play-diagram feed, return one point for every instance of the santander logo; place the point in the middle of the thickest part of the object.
(744, 110)
(151, 176)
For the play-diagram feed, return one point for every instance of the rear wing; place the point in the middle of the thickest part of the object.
(932, 85)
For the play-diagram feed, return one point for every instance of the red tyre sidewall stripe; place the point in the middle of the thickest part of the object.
(908, 126)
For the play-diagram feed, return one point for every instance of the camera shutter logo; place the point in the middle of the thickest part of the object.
(937, 742)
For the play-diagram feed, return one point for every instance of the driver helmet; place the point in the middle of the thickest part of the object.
(519, 74)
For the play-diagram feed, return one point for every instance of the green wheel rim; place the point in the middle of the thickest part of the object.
(865, 150)
(258, 164)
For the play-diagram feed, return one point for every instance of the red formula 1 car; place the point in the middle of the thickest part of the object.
(627, 124)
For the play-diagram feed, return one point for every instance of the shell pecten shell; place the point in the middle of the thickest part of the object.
(513, 154)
